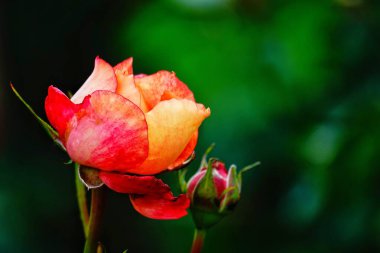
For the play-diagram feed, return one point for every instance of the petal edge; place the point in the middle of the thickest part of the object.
(59, 110)
(102, 78)
(109, 133)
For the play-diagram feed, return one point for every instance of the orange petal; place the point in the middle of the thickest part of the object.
(171, 125)
(59, 110)
(102, 78)
(125, 82)
(125, 67)
(160, 86)
(186, 153)
(108, 133)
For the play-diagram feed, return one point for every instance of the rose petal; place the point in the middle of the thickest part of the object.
(125, 67)
(130, 184)
(160, 86)
(164, 207)
(220, 167)
(186, 153)
(126, 84)
(151, 197)
(219, 180)
(59, 110)
(171, 125)
(102, 78)
(108, 133)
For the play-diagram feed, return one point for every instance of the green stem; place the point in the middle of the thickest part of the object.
(97, 205)
(199, 237)
(82, 201)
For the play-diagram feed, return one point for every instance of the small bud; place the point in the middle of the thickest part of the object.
(214, 191)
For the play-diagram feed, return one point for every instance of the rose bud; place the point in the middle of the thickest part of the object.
(214, 191)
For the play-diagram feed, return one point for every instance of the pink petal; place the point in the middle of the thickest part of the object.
(220, 167)
(102, 78)
(160, 86)
(108, 133)
(171, 125)
(220, 182)
(59, 110)
(164, 207)
(124, 183)
(150, 196)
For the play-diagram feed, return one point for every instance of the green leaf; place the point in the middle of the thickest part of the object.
(50, 131)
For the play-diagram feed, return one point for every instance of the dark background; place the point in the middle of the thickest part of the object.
(293, 84)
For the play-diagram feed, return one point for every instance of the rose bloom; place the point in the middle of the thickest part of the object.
(130, 127)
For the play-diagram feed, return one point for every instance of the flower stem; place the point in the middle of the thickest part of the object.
(82, 201)
(199, 237)
(97, 204)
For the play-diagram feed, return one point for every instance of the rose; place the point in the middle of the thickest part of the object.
(130, 127)
(207, 190)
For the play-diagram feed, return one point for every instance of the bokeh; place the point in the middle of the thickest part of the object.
(293, 84)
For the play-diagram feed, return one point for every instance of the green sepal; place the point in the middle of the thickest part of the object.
(182, 170)
(232, 196)
(234, 183)
(50, 131)
(186, 162)
(69, 94)
(100, 248)
(246, 168)
(204, 157)
(205, 190)
(204, 200)
(89, 176)
(182, 180)
(204, 219)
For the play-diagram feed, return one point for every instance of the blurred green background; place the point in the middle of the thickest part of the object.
(293, 84)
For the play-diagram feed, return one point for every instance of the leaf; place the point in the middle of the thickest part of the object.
(50, 131)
